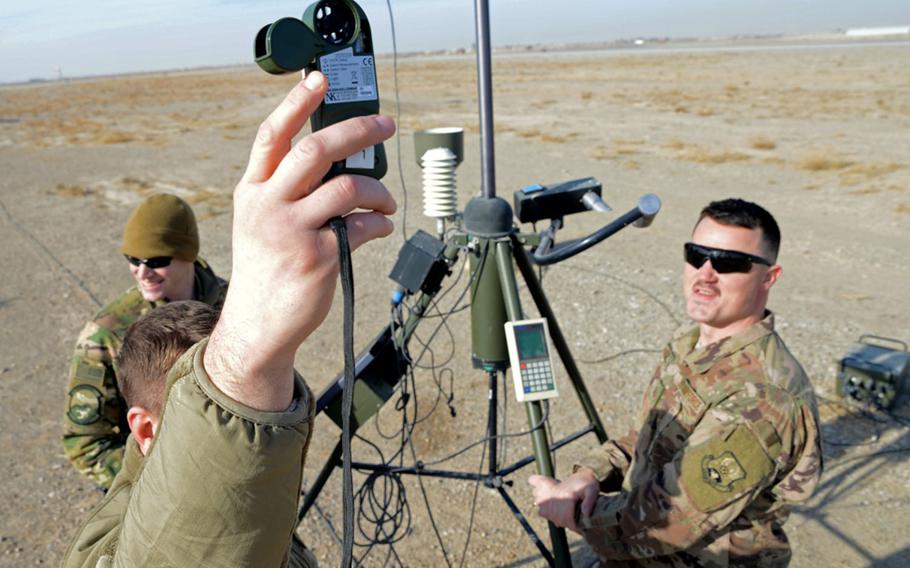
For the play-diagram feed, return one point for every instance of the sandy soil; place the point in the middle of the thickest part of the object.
(819, 136)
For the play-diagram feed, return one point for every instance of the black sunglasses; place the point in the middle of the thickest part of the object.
(153, 263)
(723, 261)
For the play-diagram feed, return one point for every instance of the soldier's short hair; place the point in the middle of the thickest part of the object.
(746, 214)
(153, 344)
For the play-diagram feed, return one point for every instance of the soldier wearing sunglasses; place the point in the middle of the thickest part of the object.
(161, 246)
(728, 435)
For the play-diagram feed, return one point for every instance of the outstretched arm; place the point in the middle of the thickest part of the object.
(284, 257)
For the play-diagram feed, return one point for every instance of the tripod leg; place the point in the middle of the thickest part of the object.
(539, 435)
(541, 547)
(491, 424)
(559, 341)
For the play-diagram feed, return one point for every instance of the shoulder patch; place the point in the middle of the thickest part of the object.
(723, 468)
(89, 373)
(722, 471)
(85, 405)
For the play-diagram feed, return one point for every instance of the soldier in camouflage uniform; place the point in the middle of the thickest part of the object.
(161, 244)
(729, 427)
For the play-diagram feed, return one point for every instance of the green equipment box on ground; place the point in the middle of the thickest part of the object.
(873, 371)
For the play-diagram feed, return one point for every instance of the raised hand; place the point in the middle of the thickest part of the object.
(285, 259)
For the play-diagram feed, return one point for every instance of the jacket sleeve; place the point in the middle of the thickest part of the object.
(220, 483)
(94, 422)
(610, 461)
(732, 455)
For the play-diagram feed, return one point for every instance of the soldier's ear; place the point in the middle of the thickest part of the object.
(142, 426)
(772, 275)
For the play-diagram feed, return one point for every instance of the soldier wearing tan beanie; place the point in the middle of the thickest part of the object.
(161, 246)
(162, 225)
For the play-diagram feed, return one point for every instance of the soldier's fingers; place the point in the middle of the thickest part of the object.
(364, 227)
(536, 481)
(342, 195)
(589, 500)
(273, 140)
(301, 170)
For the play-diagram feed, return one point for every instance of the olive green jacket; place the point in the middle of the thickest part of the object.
(218, 487)
(729, 439)
(94, 422)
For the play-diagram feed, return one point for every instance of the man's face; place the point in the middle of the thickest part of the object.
(173, 282)
(727, 303)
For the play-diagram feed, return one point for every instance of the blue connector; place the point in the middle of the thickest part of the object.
(398, 295)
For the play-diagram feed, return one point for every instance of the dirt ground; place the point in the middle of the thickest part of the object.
(819, 134)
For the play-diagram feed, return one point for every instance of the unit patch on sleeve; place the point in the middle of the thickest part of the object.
(85, 405)
(722, 471)
(723, 468)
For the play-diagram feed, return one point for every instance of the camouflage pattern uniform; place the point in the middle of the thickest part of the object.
(240, 472)
(95, 427)
(729, 439)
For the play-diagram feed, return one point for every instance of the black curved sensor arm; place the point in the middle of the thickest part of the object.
(642, 216)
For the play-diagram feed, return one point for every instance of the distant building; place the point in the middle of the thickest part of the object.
(883, 31)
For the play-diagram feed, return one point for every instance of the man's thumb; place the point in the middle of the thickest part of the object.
(590, 499)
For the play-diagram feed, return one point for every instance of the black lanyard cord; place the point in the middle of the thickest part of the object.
(347, 397)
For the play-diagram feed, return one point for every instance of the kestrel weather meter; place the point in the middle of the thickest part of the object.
(529, 353)
(334, 37)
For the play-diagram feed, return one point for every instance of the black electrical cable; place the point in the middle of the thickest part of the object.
(407, 429)
(860, 412)
(470, 530)
(620, 354)
(485, 439)
(865, 414)
(399, 516)
(444, 324)
(477, 270)
(404, 187)
(426, 502)
(383, 515)
(415, 362)
(328, 523)
(339, 227)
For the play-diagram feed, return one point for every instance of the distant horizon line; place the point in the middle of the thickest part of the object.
(637, 43)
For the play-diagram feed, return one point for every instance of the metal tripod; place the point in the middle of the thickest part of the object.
(494, 246)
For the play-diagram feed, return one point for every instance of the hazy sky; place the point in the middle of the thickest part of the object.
(89, 37)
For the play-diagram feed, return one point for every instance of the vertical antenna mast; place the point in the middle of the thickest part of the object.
(485, 97)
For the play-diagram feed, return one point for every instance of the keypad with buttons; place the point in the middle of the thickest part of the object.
(536, 376)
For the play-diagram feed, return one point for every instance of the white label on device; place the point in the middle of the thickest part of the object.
(352, 78)
(362, 160)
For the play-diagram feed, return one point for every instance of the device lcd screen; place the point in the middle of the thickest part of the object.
(531, 340)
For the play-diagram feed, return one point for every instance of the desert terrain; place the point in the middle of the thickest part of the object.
(818, 134)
